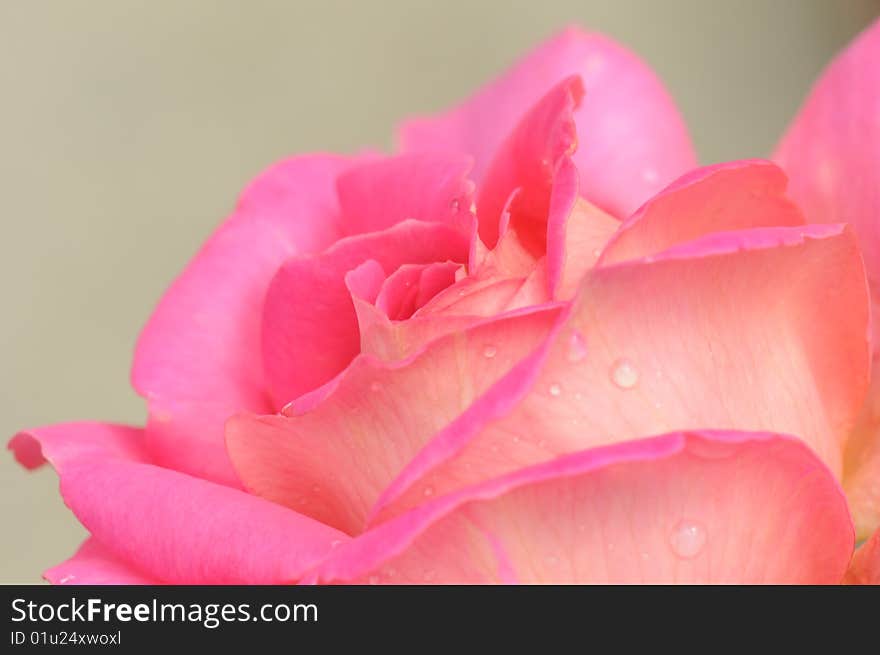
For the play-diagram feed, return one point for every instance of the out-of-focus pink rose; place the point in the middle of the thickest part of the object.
(536, 345)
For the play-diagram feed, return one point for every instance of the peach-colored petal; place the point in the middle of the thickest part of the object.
(93, 564)
(709, 507)
(335, 452)
(633, 140)
(831, 152)
(865, 565)
(168, 525)
(729, 332)
(861, 464)
(731, 196)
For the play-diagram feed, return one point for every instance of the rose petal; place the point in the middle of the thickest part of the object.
(412, 285)
(831, 152)
(428, 186)
(729, 332)
(199, 345)
(526, 163)
(310, 330)
(335, 453)
(629, 149)
(865, 565)
(93, 564)
(731, 196)
(169, 525)
(713, 507)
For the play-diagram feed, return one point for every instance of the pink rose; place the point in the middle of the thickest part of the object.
(537, 345)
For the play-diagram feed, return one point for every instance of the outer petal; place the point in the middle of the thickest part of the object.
(731, 196)
(199, 345)
(681, 508)
(865, 566)
(633, 141)
(93, 564)
(310, 329)
(831, 152)
(730, 333)
(338, 448)
(169, 525)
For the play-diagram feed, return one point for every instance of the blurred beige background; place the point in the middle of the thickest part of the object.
(127, 129)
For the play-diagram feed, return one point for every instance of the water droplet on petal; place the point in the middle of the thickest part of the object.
(624, 373)
(687, 539)
(597, 252)
(577, 347)
(650, 176)
(489, 352)
(454, 205)
(555, 390)
(375, 386)
(429, 491)
(66, 579)
(336, 543)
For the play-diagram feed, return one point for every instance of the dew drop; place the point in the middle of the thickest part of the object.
(429, 491)
(516, 438)
(336, 543)
(375, 386)
(650, 176)
(624, 374)
(489, 352)
(577, 347)
(555, 390)
(454, 205)
(687, 539)
(66, 579)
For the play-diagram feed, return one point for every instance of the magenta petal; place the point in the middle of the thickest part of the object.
(200, 343)
(633, 140)
(426, 186)
(93, 564)
(310, 329)
(520, 180)
(168, 525)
